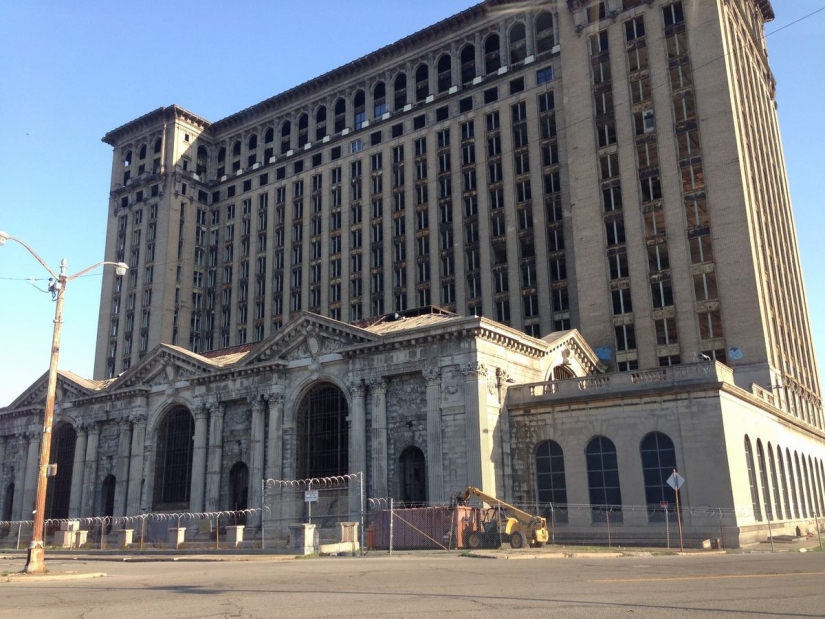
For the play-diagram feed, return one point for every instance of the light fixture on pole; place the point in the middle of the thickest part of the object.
(36, 562)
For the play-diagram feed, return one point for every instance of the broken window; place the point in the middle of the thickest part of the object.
(422, 82)
(468, 64)
(518, 43)
(492, 54)
(321, 123)
(173, 463)
(359, 104)
(445, 77)
(340, 115)
(286, 132)
(545, 38)
(303, 130)
(400, 91)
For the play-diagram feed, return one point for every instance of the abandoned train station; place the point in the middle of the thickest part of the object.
(545, 249)
(423, 402)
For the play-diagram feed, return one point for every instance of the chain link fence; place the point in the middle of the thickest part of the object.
(394, 525)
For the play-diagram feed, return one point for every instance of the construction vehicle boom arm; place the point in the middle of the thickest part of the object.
(473, 492)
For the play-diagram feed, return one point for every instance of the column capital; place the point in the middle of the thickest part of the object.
(432, 375)
(200, 412)
(356, 387)
(474, 369)
(276, 399)
(217, 409)
(378, 383)
(138, 418)
(258, 404)
(124, 423)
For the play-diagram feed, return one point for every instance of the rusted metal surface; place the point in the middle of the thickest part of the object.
(422, 527)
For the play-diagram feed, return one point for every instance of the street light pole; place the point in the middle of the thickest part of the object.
(36, 560)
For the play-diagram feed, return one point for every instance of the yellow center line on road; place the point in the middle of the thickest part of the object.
(719, 577)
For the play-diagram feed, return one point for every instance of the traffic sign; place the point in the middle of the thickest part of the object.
(675, 481)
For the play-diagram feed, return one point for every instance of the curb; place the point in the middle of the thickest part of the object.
(20, 577)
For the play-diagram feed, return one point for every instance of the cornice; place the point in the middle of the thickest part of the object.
(151, 121)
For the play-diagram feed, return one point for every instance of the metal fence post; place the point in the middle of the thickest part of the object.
(263, 521)
(19, 527)
(607, 517)
(391, 526)
(361, 506)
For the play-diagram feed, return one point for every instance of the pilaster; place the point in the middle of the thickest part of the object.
(378, 387)
(213, 471)
(78, 469)
(197, 487)
(435, 463)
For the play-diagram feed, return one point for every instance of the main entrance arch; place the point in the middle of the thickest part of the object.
(323, 436)
(173, 460)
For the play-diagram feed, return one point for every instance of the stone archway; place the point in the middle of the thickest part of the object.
(323, 433)
(412, 473)
(59, 488)
(173, 460)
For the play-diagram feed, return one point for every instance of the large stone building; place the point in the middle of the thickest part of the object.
(598, 187)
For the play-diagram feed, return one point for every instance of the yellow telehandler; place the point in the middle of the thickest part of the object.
(507, 524)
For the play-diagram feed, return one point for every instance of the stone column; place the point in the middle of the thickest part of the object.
(475, 379)
(378, 386)
(197, 486)
(357, 428)
(435, 464)
(133, 503)
(87, 499)
(357, 442)
(213, 470)
(124, 446)
(256, 469)
(30, 483)
(274, 439)
(78, 468)
(2, 471)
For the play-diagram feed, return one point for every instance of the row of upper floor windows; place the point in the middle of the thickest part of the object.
(472, 61)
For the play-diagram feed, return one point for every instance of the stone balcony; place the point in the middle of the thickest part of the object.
(674, 378)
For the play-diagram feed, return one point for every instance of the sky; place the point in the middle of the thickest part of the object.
(72, 71)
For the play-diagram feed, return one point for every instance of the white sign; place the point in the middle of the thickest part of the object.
(675, 481)
(310, 496)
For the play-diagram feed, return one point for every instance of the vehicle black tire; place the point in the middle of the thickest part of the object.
(475, 540)
(518, 540)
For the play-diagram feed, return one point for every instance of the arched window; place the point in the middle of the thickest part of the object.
(127, 159)
(551, 485)
(59, 488)
(775, 484)
(359, 103)
(603, 479)
(202, 160)
(545, 38)
(379, 100)
(142, 152)
(492, 54)
(158, 144)
(8, 502)
(236, 149)
(323, 436)
(173, 460)
(783, 480)
(468, 64)
(803, 507)
(107, 497)
(815, 490)
(286, 133)
(422, 82)
(252, 144)
(321, 123)
(518, 43)
(793, 484)
(757, 509)
(239, 491)
(221, 162)
(400, 91)
(658, 463)
(269, 135)
(445, 73)
(340, 115)
(820, 472)
(303, 130)
(763, 479)
(811, 507)
(562, 372)
(413, 473)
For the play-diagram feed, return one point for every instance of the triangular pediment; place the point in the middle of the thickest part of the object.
(308, 336)
(164, 365)
(70, 386)
(574, 352)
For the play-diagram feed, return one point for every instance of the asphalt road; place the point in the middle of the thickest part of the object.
(427, 585)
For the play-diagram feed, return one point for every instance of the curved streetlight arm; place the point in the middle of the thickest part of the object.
(120, 269)
(7, 237)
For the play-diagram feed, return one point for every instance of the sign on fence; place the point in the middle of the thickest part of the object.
(310, 496)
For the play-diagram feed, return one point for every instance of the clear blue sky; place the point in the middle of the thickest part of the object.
(73, 71)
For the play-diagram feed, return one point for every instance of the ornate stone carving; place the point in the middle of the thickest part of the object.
(474, 369)
(276, 399)
(432, 375)
(356, 387)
